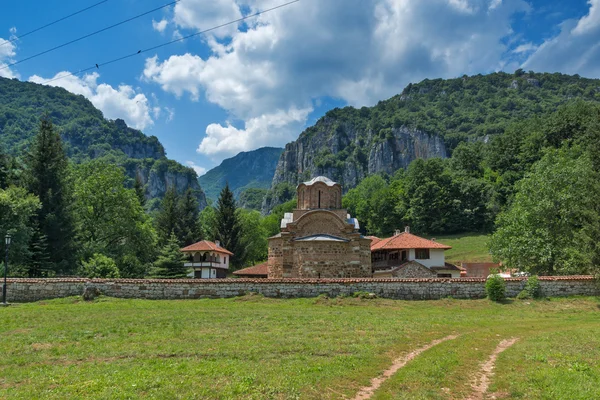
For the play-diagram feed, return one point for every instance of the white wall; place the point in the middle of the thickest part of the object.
(436, 258)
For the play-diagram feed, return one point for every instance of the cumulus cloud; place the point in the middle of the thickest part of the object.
(575, 50)
(358, 51)
(204, 14)
(160, 26)
(7, 52)
(121, 102)
(257, 132)
(199, 170)
(525, 48)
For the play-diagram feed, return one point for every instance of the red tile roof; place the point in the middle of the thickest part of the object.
(374, 240)
(406, 240)
(206, 245)
(260, 269)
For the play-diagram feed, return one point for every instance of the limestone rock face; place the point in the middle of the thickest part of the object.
(347, 155)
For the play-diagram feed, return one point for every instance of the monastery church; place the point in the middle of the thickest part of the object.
(319, 239)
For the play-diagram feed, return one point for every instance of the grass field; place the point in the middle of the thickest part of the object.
(256, 348)
(466, 247)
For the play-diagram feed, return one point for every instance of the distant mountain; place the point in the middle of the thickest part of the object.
(427, 119)
(251, 169)
(88, 135)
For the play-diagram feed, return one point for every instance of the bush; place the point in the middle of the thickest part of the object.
(99, 266)
(523, 295)
(495, 288)
(532, 287)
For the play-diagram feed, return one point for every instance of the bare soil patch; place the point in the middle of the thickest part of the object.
(368, 391)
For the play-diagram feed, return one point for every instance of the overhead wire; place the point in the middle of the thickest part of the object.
(98, 65)
(19, 37)
(88, 35)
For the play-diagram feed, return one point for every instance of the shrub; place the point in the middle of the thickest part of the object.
(523, 295)
(495, 288)
(99, 266)
(532, 287)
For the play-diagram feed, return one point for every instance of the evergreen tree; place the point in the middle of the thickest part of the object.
(38, 265)
(228, 228)
(168, 215)
(4, 169)
(46, 177)
(188, 227)
(140, 192)
(170, 263)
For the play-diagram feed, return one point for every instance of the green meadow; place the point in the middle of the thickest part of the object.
(257, 348)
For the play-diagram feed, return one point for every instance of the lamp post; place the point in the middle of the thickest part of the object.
(7, 240)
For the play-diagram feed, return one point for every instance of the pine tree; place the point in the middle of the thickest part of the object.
(228, 228)
(170, 263)
(168, 216)
(38, 254)
(140, 192)
(46, 177)
(188, 227)
(4, 169)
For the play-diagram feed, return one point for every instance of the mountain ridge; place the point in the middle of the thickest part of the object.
(247, 170)
(428, 119)
(88, 135)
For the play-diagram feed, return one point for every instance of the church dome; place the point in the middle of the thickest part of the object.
(322, 179)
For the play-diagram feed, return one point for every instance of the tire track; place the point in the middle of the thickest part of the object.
(482, 381)
(368, 391)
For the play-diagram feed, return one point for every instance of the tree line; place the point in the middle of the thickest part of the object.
(534, 188)
(89, 219)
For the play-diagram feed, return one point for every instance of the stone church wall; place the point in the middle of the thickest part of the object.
(26, 290)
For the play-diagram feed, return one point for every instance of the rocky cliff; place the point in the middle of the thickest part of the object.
(428, 119)
(347, 154)
(88, 135)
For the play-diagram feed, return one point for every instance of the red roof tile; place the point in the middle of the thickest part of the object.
(406, 240)
(206, 245)
(374, 240)
(260, 269)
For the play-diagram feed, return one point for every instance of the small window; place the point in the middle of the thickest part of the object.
(422, 254)
(225, 259)
(444, 275)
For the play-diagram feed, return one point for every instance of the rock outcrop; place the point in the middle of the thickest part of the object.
(339, 150)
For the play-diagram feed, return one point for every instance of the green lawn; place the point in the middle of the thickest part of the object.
(466, 247)
(256, 348)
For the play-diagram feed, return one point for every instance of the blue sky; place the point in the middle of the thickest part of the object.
(263, 81)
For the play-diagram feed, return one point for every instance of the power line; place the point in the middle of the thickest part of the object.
(88, 35)
(97, 66)
(52, 23)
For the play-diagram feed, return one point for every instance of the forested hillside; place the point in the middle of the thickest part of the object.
(247, 170)
(88, 135)
(426, 120)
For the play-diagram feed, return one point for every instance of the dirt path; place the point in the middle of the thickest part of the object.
(482, 380)
(368, 391)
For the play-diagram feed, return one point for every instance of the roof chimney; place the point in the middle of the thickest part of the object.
(218, 243)
(397, 232)
(407, 229)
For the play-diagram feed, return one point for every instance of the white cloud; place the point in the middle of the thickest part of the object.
(121, 102)
(267, 130)
(199, 170)
(7, 52)
(575, 50)
(160, 26)
(525, 48)
(358, 51)
(204, 14)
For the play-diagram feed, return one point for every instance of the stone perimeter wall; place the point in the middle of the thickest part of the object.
(26, 290)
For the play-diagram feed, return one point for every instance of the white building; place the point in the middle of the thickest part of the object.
(405, 255)
(208, 260)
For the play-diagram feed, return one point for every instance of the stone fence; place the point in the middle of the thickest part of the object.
(26, 290)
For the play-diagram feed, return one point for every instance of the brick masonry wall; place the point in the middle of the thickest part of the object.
(26, 290)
